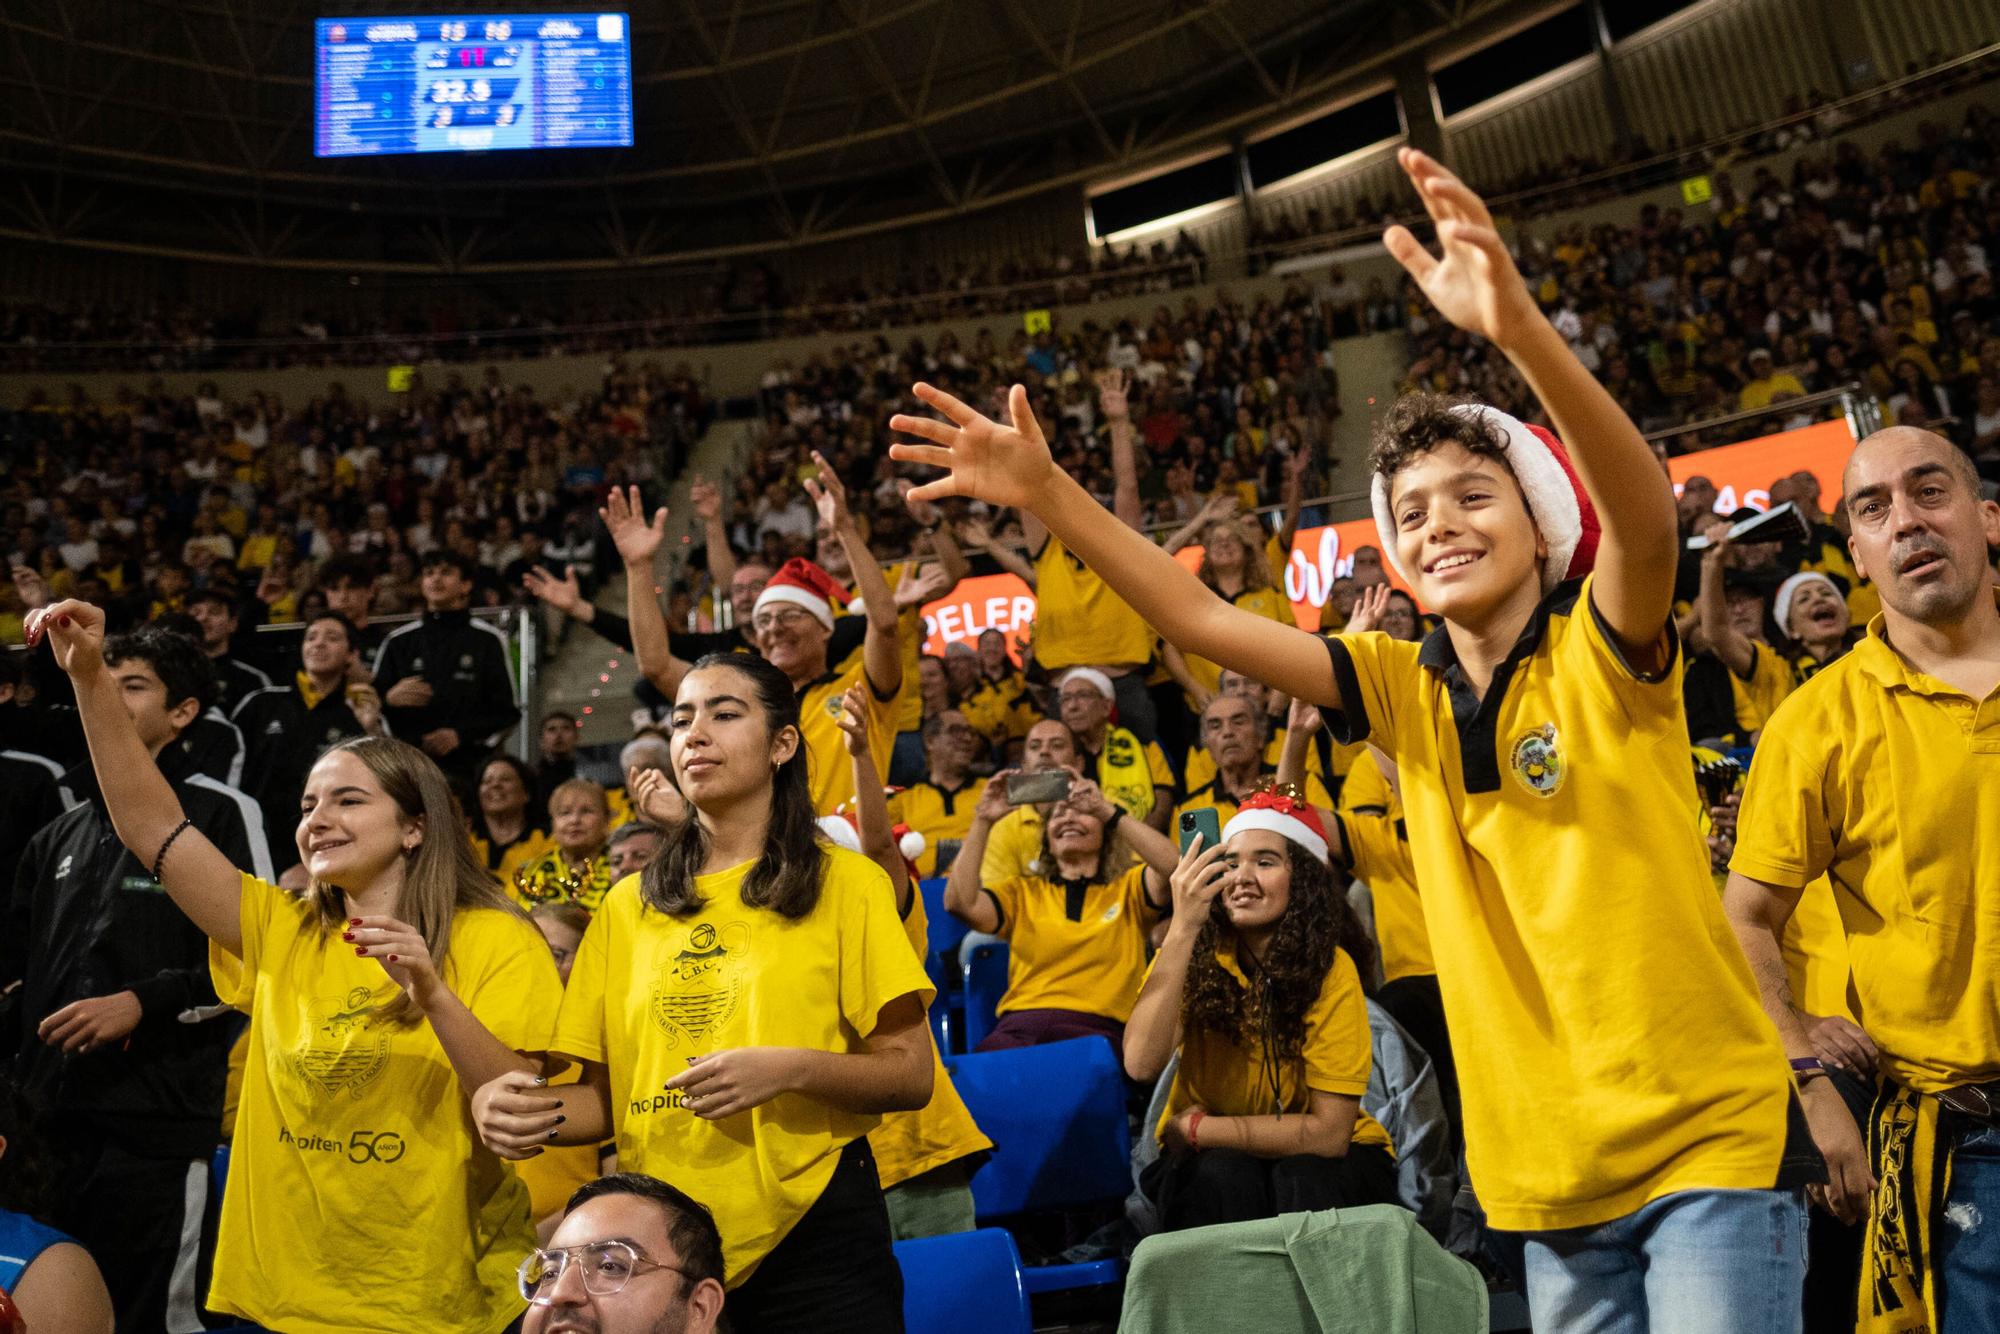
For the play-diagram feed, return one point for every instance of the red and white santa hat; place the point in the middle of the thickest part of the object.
(1284, 816)
(1555, 496)
(842, 830)
(1781, 605)
(803, 584)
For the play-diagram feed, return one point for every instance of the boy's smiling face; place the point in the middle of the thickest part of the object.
(1464, 533)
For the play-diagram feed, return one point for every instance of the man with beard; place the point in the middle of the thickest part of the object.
(632, 1255)
(1883, 772)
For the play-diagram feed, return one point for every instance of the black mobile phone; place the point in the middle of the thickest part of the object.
(1781, 523)
(1205, 822)
(1038, 788)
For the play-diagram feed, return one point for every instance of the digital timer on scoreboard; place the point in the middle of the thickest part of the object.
(472, 83)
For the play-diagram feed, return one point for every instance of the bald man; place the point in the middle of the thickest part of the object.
(1883, 772)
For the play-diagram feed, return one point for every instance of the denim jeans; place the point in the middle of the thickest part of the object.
(1968, 1237)
(1695, 1262)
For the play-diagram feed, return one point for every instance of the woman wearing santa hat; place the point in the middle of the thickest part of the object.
(1258, 985)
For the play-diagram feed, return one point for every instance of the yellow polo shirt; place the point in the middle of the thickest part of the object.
(649, 991)
(1198, 769)
(1814, 945)
(1234, 1076)
(936, 814)
(1378, 852)
(908, 1144)
(1079, 621)
(344, 1109)
(1612, 1049)
(1771, 679)
(830, 767)
(1887, 780)
(1002, 710)
(1079, 947)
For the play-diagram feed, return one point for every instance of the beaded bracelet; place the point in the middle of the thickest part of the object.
(161, 856)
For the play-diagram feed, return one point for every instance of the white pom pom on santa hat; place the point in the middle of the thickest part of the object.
(1549, 484)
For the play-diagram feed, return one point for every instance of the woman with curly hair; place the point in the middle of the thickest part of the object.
(1259, 986)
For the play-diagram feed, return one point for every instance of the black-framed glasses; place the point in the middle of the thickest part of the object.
(607, 1266)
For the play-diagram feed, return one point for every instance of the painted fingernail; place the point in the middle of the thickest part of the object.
(541, 1080)
(558, 1102)
(552, 1134)
(354, 921)
(561, 1119)
(361, 949)
(347, 936)
(392, 958)
(63, 619)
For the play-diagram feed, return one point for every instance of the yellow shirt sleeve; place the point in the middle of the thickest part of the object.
(1339, 1050)
(579, 1029)
(1007, 893)
(879, 965)
(1374, 677)
(501, 970)
(1782, 835)
(1373, 849)
(235, 976)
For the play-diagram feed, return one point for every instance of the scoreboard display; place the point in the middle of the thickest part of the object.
(472, 83)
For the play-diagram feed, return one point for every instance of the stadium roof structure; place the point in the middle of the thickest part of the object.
(184, 128)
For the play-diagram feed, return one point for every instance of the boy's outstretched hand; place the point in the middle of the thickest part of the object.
(1001, 465)
(1474, 284)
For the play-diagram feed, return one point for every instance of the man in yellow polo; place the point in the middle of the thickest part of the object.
(1883, 772)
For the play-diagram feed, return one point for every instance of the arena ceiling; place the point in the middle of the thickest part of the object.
(186, 128)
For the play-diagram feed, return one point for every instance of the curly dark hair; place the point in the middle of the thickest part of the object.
(1418, 423)
(1284, 985)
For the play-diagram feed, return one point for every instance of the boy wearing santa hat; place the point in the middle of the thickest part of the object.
(1627, 1104)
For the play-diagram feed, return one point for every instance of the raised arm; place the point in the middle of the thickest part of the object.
(1010, 465)
(638, 542)
(143, 808)
(1294, 494)
(1711, 604)
(1111, 397)
(980, 538)
(964, 896)
(1154, 1030)
(942, 541)
(881, 658)
(871, 807)
(1476, 286)
(707, 502)
(1220, 505)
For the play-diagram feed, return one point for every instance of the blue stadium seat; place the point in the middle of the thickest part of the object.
(945, 930)
(941, 962)
(985, 984)
(966, 1283)
(1056, 1115)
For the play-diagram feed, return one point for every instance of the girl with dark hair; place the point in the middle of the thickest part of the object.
(399, 978)
(745, 1010)
(1258, 985)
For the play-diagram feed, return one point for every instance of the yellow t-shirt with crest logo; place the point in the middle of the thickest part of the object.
(649, 991)
(354, 1151)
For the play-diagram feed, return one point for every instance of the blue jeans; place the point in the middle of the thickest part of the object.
(1695, 1262)
(1968, 1237)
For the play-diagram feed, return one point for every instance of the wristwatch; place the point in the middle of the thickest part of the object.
(1808, 1067)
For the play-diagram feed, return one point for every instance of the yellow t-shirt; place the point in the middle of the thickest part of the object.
(1887, 781)
(354, 1153)
(1580, 945)
(1232, 1076)
(554, 1174)
(1128, 771)
(553, 868)
(1378, 850)
(1079, 621)
(830, 767)
(531, 846)
(1267, 602)
(649, 991)
(936, 814)
(1001, 710)
(1771, 679)
(908, 1144)
(1080, 949)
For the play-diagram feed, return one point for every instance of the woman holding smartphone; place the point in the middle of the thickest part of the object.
(397, 981)
(745, 1010)
(1076, 928)
(1258, 987)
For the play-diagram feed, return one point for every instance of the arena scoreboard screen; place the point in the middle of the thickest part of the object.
(472, 83)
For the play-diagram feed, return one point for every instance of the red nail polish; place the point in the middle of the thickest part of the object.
(347, 936)
(63, 619)
(361, 949)
(354, 921)
(392, 958)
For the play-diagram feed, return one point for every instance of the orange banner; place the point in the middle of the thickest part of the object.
(1742, 475)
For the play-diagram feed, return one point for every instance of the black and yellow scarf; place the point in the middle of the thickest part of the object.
(1912, 1162)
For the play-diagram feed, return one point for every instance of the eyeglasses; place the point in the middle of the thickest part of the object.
(771, 620)
(607, 1267)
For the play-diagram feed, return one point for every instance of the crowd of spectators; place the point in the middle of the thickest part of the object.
(191, 520)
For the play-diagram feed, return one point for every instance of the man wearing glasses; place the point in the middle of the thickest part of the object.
(633, 1255)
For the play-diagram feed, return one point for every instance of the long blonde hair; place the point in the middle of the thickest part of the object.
(1256, 562)
(440, 874)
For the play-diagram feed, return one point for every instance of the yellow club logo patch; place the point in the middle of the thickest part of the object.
(1537, 761)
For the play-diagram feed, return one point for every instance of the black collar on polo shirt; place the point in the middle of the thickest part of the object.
(1477, 718)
